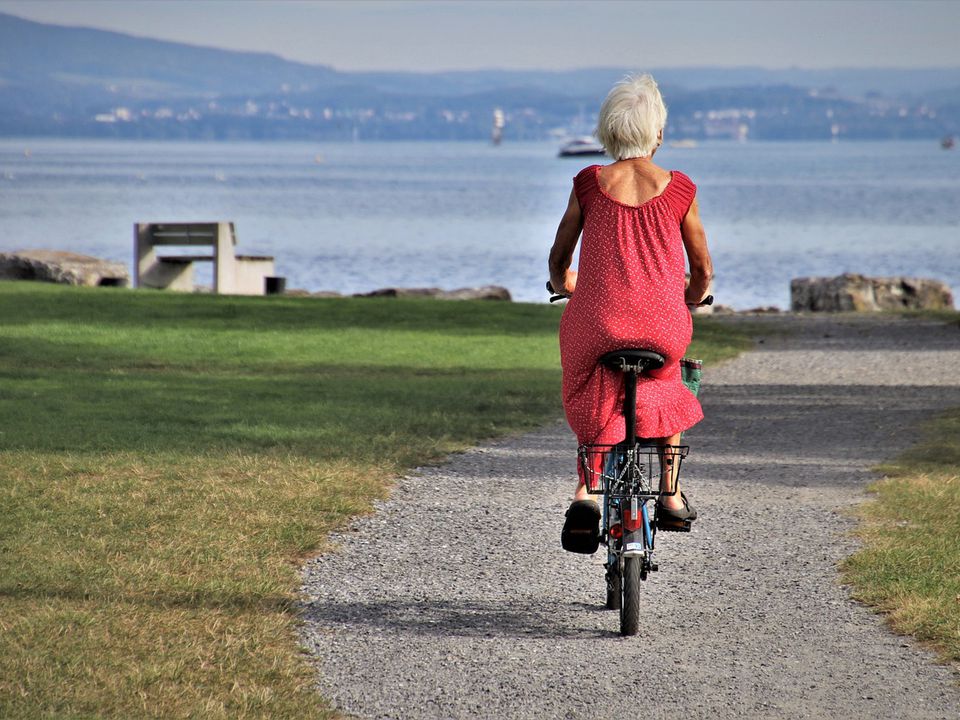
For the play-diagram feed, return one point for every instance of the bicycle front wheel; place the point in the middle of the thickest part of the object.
(630, 605)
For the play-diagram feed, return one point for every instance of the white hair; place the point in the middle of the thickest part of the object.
(631, 118)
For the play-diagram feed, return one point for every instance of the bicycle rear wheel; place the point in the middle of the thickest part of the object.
(630, 605)
(614, 581)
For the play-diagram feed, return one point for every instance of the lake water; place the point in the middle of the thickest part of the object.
(355, 217)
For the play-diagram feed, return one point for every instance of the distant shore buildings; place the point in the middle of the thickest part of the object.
(773, 118)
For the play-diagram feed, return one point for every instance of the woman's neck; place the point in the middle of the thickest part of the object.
(639, 160)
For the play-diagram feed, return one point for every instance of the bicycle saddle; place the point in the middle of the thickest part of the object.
(647, 359)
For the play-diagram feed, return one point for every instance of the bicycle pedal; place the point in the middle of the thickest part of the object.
(681, 526)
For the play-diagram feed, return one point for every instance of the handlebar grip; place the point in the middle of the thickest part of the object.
(554, 295)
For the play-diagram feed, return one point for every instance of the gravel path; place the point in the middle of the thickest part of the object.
(454, 600)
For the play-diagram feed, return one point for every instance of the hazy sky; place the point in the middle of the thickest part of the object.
(549, 34)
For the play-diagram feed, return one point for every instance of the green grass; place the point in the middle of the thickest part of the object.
(909, 566)
(945, 315)
(167, 461)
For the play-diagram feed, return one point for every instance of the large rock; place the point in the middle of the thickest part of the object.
(66, 268)
(858, 293)
(401, 292)
(486, 292)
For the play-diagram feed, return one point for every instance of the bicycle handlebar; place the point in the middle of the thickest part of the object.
(555, 296)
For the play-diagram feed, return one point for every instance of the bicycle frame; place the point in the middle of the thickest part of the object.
(629, 476)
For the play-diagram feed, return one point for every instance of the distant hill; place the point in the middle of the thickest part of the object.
(68, 81)
(38, 52)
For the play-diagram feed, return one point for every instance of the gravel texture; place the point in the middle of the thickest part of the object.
(454, 599)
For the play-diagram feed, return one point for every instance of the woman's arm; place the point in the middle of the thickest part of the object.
(563, 279)
(695, 243)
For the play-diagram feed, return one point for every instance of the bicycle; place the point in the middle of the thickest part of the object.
(628, 477)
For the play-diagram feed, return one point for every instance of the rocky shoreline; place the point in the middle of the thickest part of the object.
(483, 292)
(849, 292)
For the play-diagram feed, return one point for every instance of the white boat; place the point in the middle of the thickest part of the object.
(580, 147)
(498, 123)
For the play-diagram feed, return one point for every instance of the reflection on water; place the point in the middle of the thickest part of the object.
(353, 217)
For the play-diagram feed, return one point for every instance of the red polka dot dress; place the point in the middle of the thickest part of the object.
(629, 294)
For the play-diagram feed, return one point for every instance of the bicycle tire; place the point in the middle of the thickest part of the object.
(614, 584)
(630, 605)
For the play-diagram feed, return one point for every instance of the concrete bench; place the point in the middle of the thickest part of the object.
(232, 274)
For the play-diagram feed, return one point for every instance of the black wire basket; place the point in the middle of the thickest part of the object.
(618, 472)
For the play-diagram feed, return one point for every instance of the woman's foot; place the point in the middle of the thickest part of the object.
(675, 502)
(675, 510)
(581, 531)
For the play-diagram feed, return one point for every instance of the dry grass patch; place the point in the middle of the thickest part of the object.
(146, 588)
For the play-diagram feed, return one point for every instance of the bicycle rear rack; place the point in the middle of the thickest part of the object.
(622, 472)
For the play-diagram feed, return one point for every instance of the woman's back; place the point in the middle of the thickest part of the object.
(630, 293)
(632, 257)
(632, 182)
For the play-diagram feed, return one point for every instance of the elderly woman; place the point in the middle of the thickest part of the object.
(638, 221)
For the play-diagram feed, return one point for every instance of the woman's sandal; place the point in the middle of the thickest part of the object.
(678, 520)
(581, 531)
